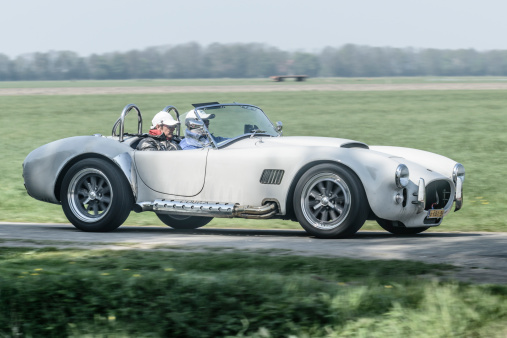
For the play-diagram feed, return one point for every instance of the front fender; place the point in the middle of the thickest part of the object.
(432, 161)
(376, 171)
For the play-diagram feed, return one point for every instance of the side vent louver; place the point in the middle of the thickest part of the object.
(272, 176)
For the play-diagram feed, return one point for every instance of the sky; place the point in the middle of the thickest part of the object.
(103, 26)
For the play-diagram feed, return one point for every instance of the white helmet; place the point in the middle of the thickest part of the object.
(202, 114)
(192, 122)
(163, 117)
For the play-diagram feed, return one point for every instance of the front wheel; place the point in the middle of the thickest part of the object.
(330, 202)
(184, 222)
(96, 196)
(396, 229)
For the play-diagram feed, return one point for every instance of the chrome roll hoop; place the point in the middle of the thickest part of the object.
(121, 121)
(168, 109)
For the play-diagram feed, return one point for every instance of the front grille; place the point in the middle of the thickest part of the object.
(438, 194)
(272, 176)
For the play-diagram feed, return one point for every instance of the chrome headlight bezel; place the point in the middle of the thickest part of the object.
(402, 176)
(458, 172)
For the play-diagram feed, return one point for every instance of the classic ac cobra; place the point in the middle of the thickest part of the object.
(331, 186)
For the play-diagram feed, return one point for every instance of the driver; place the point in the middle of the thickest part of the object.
(161, 134)
(195, 134)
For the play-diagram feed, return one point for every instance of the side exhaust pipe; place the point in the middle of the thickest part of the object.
(223, 210)
(143, 206)
(266, 211)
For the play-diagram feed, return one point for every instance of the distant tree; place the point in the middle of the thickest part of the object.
(471, 62)
(264, 61)
(332, 63)
(495, 63)
(404, 62)
(306, 64)
(118, 67)
(183, 61)
(248, 60)
(240, 60)
(148, 64)
(99, 67)
(221, 62)
(22, 68)
(40, 67)
(68, 66)
(5, 68)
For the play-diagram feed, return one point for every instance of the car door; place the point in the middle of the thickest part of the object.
(178, 173)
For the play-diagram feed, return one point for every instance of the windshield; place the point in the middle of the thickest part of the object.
(233, 121)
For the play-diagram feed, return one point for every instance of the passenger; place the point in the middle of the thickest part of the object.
(161, 134)
(195, 134)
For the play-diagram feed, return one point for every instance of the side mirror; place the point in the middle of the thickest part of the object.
(279, 127)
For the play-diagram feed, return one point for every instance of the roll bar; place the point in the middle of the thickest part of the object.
(168, 109)
(121, 121)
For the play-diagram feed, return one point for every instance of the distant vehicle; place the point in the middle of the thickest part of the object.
(331, 186)
(280, 78)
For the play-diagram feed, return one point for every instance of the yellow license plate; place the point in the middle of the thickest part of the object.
(436, 213)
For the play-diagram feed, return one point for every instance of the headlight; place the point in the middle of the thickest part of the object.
(458, 172)
(402, 176)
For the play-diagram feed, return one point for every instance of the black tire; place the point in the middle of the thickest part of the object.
(330, 202)
(396, 229)
(184, 222)
(96, 196)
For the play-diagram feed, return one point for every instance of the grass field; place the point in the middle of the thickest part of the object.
(57, 292)
(61, 293)
(468, 126)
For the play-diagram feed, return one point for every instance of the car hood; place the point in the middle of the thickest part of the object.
(419, 161)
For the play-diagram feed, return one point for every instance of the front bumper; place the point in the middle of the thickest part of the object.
(437, 195)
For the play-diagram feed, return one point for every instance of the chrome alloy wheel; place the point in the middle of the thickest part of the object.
(90, 195)
(325, 201)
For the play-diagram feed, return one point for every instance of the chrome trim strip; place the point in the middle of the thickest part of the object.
(421, 196)
(459, 194)
(456, 172)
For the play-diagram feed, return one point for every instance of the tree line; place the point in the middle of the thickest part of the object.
(252, 60)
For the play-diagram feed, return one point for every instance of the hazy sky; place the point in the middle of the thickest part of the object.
(100, 26)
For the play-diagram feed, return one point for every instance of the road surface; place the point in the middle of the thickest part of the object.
(480, 257)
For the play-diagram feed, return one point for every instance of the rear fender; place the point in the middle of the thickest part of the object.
(123, 161)
(45, 167)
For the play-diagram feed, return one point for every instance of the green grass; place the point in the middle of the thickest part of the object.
(51, 292)
(467, 126)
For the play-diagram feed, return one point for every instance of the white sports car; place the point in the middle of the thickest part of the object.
(246, 169)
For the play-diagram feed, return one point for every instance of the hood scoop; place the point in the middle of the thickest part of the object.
(354, 145)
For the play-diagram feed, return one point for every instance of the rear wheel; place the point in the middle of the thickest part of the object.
(330, 202)
(398, 228)
(96, 196)
(184, 222)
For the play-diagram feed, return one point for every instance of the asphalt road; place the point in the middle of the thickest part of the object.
(480, 257)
